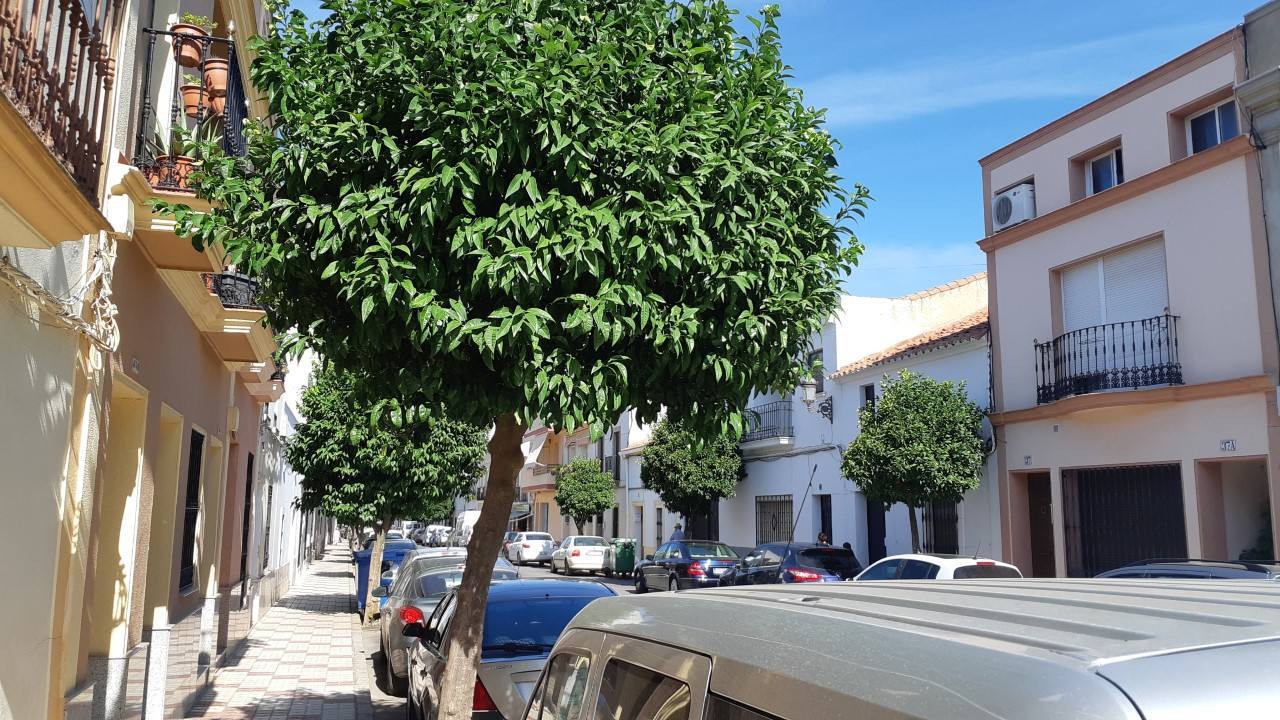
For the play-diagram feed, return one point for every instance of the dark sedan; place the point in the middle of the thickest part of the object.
(793, 563)
(684, 565)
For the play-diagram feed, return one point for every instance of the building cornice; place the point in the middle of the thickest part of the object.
(1259, 97)
(1125, 398)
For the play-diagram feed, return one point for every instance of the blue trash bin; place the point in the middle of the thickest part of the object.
(392, 555)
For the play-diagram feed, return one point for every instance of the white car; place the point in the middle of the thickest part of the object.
(579, 553)
(529, 547)
(938, 567)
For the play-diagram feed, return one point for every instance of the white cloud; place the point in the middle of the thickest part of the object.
(944, 83)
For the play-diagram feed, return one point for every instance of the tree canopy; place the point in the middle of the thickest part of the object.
(583, 490)
(920, 442)
(689, 472)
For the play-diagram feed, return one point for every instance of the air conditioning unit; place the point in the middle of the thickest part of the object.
(1013, 206)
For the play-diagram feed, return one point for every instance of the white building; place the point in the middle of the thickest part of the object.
(794, 488)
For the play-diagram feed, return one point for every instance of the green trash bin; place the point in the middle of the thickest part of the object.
(624, 556)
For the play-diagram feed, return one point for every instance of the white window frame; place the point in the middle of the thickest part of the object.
(1117, 170)
(1217, 124)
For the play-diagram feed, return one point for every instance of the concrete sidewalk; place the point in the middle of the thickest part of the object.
(304, 657)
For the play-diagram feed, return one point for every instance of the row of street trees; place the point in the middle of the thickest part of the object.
(501, 210)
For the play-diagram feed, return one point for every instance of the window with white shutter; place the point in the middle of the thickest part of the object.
(1118, 287)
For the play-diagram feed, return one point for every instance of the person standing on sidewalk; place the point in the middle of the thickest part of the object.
(677, 534)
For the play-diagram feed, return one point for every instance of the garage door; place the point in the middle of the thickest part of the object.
(1117, 515)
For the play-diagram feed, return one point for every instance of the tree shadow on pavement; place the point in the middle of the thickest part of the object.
(295, 703)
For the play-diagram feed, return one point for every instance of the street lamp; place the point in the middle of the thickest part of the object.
(809, 394)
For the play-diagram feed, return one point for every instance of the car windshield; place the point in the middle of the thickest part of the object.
(537, 536)
(395, 535)
(527, 626)
(970, 572)
(710, 550)
(441, 582)
(836, 561)
(589, 542)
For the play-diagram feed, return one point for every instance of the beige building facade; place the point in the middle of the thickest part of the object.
(1134, 340)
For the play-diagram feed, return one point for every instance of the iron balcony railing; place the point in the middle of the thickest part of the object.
(234, 291)
(1134, 354)
(770, 420)
(192, 83)
(57, 69)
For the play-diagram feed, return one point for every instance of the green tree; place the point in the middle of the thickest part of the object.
(583, 490)
(689, 472)
(920, 442)
(551, 209)
(363, 472)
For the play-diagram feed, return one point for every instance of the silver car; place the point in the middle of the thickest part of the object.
(962, 650)
(522, 621)
(424, 578)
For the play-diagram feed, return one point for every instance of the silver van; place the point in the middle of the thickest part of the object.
(1042, 649)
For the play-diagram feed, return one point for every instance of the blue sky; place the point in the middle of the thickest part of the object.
(918, 91)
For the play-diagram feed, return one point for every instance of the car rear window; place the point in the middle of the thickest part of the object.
(537, 536)
(987, 572)
(710, 550)
(439, 583)
(590, 542)
(527, 626)
(836, 561)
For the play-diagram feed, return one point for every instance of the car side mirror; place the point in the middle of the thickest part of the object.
(380, 591)
(649, 558)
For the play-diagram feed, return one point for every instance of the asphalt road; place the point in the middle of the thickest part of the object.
(622, 585)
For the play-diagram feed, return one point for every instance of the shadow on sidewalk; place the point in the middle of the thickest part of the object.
(297, 703)
(322, 603)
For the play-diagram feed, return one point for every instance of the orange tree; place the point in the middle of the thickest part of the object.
(552, 209)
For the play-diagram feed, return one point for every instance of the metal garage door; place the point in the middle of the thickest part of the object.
(1118, 515)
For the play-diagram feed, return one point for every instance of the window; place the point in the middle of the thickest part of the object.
(537, 536)
(836, 561)
(883, 570)
(773, 518)
(658, 515)
(768, 557)
(811, 361)
(527, 626)
(563, 686)
(246, 517)
(1212, 127)
(266, 522)
(720, 709)
(661, 552)
(710, 550)
(435, 584)
(918, 570)
(986, 572)
(191, 512)
(1104, 172)
(869, 395)
(617, 531)
(1122, 286)
(631, 692)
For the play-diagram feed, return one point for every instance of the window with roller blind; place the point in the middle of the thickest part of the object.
(1122, 286)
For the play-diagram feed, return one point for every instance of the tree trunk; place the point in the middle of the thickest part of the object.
(463, 651)
(915, 530)
(375, 571)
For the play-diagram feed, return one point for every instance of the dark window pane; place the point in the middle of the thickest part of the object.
(1204, 132)
(883, 570)
(589, 542)
(1227, 121)
(1119, 166)
(191, 511)
(917, 570)
(439, 583)
(630, 692)
(836, 561)
(710, 550)
(563, 688)
(986, 572)
(1101, 172)
(515, 628)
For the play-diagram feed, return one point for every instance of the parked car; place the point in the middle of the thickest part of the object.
(1192, 569)
(793, 562)
(1043, 649)
(522, 622)
(506, 540)
(437, 535)
(684, 565)
(938, 567)
(424, 579)
(463, 526)
(579, 553)
(531, 547)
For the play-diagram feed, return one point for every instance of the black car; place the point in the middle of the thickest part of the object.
(1191, 569)
(793, 563)
(684, 565)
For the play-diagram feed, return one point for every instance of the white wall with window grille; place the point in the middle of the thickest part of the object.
(774, 519)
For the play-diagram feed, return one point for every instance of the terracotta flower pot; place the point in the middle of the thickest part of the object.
(188, 52)
(215, 76)
(170, 172)
(194, 99)
(217, 104)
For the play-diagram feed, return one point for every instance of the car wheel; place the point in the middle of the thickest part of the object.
(411, 709)
(554, 571)
(399, 685)
(673, 585)
(641, 588)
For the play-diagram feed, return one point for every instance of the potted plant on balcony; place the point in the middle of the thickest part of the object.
(215, 76)
(178, 155)
(194, 97)
(189, 52)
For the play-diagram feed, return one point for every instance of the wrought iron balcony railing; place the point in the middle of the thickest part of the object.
(770, 420)
(1134, 354)
(234, 291)
(57, 69)
(207, 104)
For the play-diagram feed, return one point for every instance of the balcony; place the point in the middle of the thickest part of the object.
(204, 103)
(769, 429)
(1117, 356)
(234, 291)
(56, 73)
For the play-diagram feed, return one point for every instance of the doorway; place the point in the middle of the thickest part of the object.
(1040, 516)
(822, 506)
(705, 526)
(875, 531)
